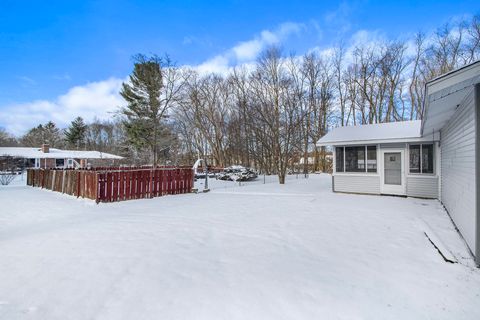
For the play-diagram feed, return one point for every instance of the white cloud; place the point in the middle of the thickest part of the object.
(63, 77)
(339, 19)
(95, 99)
(363, 39)
(366, 38)
(27, 80)
(247, 51)
(201, 41)
(218, 64)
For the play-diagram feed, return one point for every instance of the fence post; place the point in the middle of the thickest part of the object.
(97, 188)
(63, 181)
(78, 184)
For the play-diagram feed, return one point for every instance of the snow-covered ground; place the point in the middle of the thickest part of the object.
(256, 251)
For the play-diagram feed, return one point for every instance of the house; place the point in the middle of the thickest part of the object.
(437, 157)
(46, 157)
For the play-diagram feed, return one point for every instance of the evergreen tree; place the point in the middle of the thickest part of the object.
(47, 133)
(144, 110)
(75, 133)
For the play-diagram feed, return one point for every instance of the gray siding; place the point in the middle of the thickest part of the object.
(357, 183)
(458, 169)
(422, 187)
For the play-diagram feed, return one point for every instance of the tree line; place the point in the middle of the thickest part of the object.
(267, 115)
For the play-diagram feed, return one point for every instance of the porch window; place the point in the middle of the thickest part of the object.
(339, 159)
(427, 158)
(371, 159)
(421, 158)
(356, 159)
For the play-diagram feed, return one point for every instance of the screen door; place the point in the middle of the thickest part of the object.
(393, 168)
(393, 172)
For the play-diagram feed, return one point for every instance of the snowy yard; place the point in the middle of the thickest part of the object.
(259, 251)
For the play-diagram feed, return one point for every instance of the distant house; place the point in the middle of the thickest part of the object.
(438, 157)
(46, 157)
(311, 160)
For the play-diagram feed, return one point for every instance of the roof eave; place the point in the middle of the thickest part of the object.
(376, 141)
(462, 73)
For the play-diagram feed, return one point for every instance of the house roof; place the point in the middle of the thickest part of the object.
(445, 93)
(36, 153)
(402, 131)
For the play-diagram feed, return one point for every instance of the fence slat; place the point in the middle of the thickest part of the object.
(128, 182)
(115, 186)
(108, 196)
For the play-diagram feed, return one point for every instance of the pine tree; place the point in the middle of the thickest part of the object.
(52, 135)
(144, 110)
(75, 134)
(47, 133)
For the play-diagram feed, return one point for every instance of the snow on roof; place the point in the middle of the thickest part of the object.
(391, 131)
(36, 153)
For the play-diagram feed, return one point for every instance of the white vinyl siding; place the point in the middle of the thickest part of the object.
(422, 186)
(458, 169)
(357, 183)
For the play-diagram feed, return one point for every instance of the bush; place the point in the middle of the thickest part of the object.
(6, 178)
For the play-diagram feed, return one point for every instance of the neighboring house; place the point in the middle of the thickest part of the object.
(311, 160)
(438, 157)
(46, 157)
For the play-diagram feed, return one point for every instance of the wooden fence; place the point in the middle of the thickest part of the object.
(114, 184)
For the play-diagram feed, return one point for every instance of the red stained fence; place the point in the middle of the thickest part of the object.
(114, 184)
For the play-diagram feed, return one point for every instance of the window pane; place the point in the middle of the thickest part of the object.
(427, 158)
(355, 159)
(372, 159)
(339, 159)
(59, 162)
(415, 158)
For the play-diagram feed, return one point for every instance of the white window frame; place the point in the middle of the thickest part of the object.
(366, 160)
(421, 159)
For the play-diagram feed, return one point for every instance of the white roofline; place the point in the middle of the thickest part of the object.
(36, 153)
(377, 141)
(463, 72)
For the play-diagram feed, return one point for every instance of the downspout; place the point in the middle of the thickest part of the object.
(334, 167)
(477, 172)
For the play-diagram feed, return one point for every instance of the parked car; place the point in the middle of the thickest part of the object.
(237, 173)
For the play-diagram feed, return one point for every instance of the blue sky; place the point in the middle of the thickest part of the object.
(57, 55)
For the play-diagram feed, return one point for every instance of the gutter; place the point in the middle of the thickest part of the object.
(377, 141)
